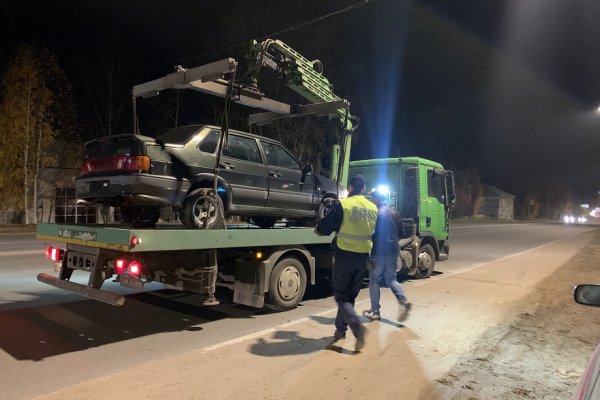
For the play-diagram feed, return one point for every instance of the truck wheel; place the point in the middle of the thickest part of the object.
(264, 222)
(425, 261)
(200, 208)
(287, 285)
(139, 217)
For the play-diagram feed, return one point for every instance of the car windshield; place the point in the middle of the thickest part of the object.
(179, 135)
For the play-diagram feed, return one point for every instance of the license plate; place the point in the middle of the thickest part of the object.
(131, 282)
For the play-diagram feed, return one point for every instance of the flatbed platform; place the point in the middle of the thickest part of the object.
(173, 239)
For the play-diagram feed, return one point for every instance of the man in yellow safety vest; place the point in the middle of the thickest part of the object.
(353, 219)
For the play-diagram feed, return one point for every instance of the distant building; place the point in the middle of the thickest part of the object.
(496, 203)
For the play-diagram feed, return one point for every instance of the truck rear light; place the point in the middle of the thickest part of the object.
(120, 266)
(54, 254)
(117, 163)
(135, 268)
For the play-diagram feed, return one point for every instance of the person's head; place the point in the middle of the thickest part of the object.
(377, 198)
(356, 184)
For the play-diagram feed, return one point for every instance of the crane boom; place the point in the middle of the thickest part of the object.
(305, 78)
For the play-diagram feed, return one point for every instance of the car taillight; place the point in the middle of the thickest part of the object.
(117, 163)
(54, 254)
(135, 268)
(120, 265)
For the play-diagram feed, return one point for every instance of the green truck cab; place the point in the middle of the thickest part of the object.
(421, 190)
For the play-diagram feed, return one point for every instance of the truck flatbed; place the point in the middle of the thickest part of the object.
(173, 239)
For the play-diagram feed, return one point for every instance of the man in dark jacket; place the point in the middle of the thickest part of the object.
(384, 258)
(353, 219)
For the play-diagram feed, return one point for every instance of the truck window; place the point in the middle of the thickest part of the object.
(435, 185)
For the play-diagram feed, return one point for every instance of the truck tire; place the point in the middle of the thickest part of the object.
(287, 285)
(200, 208)
(425, 262)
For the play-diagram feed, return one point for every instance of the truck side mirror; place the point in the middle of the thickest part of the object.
(307, 169)
(450, 188)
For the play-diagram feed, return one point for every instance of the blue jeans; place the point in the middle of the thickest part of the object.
(384, 269)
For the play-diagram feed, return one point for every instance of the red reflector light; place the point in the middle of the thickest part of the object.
(135, 241)
(135, 268)
(54, 254)
(120, 265)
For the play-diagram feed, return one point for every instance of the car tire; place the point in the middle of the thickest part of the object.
(199, 205)
(287, 285)
(139, 217)
(264, 222)
(325, 202)
(425, 262)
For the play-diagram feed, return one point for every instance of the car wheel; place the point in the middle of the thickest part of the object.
(264, 222)
(139, 217)
(287, 285)
(425, 262)
(325, 202)
(203, 210)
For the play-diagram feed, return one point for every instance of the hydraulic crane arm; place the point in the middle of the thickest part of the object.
(305, 78)
(299, 74)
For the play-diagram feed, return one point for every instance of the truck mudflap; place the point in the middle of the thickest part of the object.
(96, 294)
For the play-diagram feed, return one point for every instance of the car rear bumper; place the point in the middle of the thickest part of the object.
(133, 189)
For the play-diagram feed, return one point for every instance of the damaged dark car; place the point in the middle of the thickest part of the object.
(258, 178)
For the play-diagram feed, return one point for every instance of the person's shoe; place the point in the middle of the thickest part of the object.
(404, 311)
(372, 315)
(360, 339)
(339, 335)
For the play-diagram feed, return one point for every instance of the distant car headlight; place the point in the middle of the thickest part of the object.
(582, 220)
(569, 219)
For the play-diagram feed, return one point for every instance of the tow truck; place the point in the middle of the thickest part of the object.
(263, 267)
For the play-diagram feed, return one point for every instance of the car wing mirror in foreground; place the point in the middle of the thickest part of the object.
(307, 169)
(588, 295)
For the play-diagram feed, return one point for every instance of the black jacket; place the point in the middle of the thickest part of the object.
(386, 235)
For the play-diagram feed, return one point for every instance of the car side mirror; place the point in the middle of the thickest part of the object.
(307, 169)
(588, 295)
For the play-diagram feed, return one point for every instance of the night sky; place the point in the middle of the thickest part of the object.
(509, 88)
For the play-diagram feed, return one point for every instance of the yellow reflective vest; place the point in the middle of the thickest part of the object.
(358, 224)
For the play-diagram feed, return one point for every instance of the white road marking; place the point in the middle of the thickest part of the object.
(21, 252)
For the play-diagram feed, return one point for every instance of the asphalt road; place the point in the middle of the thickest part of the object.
(50, 339)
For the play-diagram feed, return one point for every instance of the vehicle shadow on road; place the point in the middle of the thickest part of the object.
(48, 325)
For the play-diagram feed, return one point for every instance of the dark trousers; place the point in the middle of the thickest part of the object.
(347, 278)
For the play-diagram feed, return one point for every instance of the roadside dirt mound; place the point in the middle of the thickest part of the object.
(543, 353)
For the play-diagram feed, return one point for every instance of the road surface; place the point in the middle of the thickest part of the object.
(51, 339)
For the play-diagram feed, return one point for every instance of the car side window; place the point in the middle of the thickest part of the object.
(242, 148)
(277, 156)
(210, 142)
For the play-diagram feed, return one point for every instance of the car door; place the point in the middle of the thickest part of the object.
(289, 188)
(243, 168)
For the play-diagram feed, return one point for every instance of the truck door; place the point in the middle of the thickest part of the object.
(288, 187)
(433, 206)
